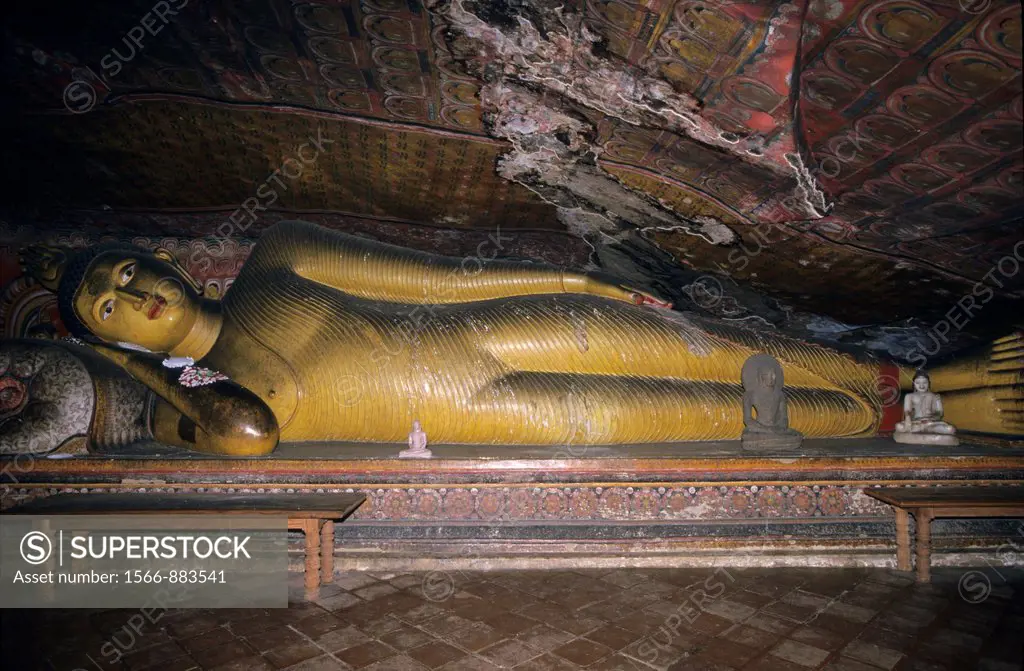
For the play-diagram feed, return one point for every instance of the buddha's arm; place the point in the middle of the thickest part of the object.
(219, 418)
(379, 271)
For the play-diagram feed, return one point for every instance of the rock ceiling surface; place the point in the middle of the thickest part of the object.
(756, 160)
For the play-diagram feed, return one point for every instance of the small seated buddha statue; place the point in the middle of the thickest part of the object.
(922, 417)
(417, 443)
(765, 415)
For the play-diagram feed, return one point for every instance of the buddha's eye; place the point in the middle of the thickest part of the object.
(127, 273)
(108, 309)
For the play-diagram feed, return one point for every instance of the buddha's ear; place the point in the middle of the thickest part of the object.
(45, 263)
(166, 256)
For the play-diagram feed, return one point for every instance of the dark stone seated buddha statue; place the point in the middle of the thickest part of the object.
(765, 414)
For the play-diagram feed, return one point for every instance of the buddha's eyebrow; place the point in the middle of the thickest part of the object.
(94, 283)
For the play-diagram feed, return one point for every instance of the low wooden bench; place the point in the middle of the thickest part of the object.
(313, 514)
(929, 503)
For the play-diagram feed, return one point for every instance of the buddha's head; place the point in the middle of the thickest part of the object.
(119, 293)
(921, 383)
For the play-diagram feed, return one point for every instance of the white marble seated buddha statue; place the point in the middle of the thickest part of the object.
(922, 417)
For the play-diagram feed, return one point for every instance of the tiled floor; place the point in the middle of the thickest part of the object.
(629, 620)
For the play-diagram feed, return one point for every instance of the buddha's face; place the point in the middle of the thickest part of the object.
(138, 298)
(921, 384)
(767, 378)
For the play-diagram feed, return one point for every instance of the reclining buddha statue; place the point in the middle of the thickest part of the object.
(329, 337)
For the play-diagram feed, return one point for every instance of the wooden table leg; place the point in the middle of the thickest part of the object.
(311, 528)
(924, 544)
(327, 552)
(902, 539)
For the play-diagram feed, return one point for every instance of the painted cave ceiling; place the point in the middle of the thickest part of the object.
(842, 169)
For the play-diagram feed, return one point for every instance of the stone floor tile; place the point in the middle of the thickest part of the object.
(847, 664)
(730, 610)
(396, 663)
(614, 637)
(289, 655)
(509, 623)
(654, 654)
(178, 664)
(750, 637)
(709, 624)
(801, 598)
(544, 638)
(583, 652)
(773, 663)
(625, 577)
(851, 612)
(473, 637)
(342, 639)
(958, 639)
(700, 662)
(253, 626)
(793, 613)
(190, 625)
(339, 601)
(209, 639)
(421, 613)
(353, 580)
(726, 652)
(547, 662)
(365, 654)
(435, 654)
(770, 623)
(243, 664)
(800, 653)
(886, 638)
(835, 624)
(406, 638)
(318, 625)
(819, 638)
(472, 663)
(746, 597)
(322, 663)
(140, 659)
(508, 653)
(406, 580)
(918, 616)
(872, 654)
(381, 626)
(444, 623)
(641, 622)
(211, 658)
(617, 662)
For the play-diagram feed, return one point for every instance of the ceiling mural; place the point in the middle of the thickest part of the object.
(871, 151)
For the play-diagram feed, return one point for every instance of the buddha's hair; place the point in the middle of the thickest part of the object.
(920, 374)
(73, 276)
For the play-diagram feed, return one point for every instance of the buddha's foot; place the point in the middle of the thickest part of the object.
(924, 438)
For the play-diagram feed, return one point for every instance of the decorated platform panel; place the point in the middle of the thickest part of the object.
(626, 505)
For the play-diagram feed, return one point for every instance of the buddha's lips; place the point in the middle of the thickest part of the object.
(157, 308)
